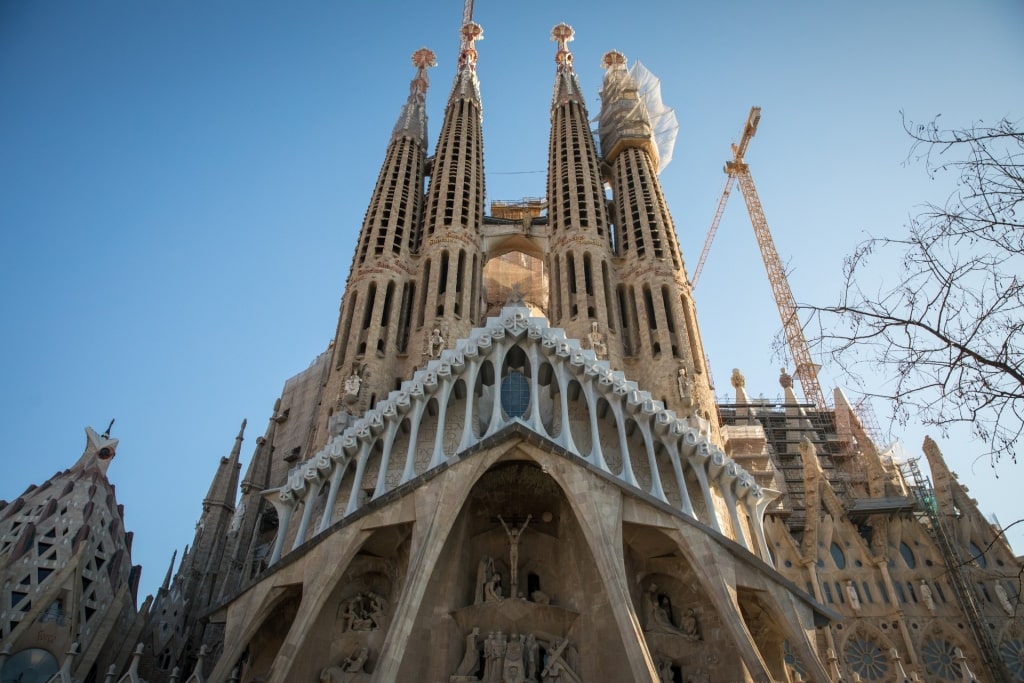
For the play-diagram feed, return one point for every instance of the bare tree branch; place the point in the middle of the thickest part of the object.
(949, 335)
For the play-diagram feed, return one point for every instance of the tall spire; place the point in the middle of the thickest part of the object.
(566, 85)
(412, 122)
(450, 269)
(580, 257)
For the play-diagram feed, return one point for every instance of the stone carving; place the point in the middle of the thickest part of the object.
(1004, 599)
(488, 582)
(350, 671)
(658, 613)
(665, 671)
(851, 593)
(685, 385)
(785, 379)
(737, 380)
(596, 340)
(540, 597)
(926, 596)
(364, 612)
(352, 385)
(557, 669)
(514, 536)
(436, 343)
(471, 659)
(516, 658)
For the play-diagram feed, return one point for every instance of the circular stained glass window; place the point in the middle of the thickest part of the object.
(1013, 654)
(33, 665)
(939, 658)
(793, 660)
(515, 394)
(865, 658)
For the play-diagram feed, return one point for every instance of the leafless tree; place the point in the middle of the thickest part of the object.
(948, 335)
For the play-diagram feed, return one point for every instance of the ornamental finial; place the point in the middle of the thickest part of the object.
(470, 33)
(422, 59)
(563, 34)
(613, 59)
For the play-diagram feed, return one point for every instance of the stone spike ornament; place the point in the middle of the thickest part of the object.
(563, 34)
(470, 33)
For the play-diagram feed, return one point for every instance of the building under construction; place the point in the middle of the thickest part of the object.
(509, 467)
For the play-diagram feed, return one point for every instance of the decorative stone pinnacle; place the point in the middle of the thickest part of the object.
(613, 59)
(423, 59)
(470, 33)
(563, 35)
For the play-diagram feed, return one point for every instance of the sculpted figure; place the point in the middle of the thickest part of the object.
(596, 340)
(926, 597)
(484, 571)
(851, 593)
(513, 553)
(352, 384)
(1004, 599)
(436, 344)
(492, 591)
(471, 659)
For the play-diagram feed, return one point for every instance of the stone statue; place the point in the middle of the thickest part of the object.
(658, 615)
(513, 667)
(596, 340)
(665, 671)
(851, 594)
(513, 554)
(492, 591)
(471, 659)
(350, 671)
(1004, 599)
(436, 343)
(684, 384)
(557, 669)
(352, 384)
(926, 597)
(364, 612)
(484, 570)
(532, 658)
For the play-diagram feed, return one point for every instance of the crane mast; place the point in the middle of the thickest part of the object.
(737, 170)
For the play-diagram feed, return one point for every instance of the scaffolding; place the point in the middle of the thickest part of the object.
(929, 512)
(785, 426)
(517, 210)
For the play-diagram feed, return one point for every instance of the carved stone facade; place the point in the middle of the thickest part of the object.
(544, 491)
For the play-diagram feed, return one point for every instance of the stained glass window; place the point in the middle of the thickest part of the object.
(864, 657)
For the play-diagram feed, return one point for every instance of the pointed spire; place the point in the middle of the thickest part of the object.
(412, 122)
(567, 88)
(170, 571)
(225, 482)
(466, 84)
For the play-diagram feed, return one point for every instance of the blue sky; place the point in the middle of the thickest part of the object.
(182, 184)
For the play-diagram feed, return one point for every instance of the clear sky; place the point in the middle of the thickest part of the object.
(182, 184)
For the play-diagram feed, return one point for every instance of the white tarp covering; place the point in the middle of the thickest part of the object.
(663, 118)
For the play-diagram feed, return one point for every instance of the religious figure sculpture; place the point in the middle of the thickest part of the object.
(484, 570)
(854, 597)
(596, 340)
(665, 671)
(514, 536)
(1004, 599)
(436, 343)
(350, 671)
(471, 659)
(658, 615)
(926, 596)
(557, 669)
(352, 384)
(364, 612)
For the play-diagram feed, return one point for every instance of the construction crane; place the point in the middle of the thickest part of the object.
(736, 170)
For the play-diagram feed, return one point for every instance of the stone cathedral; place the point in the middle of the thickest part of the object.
(510, 467)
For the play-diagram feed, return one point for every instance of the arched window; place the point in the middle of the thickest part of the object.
(515, 394)
(837, 556)
(908, 555)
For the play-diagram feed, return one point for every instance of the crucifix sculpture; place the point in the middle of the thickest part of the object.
(514, 535)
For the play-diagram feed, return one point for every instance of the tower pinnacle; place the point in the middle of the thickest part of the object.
(563, 35)
(470, 32)
(412, 122)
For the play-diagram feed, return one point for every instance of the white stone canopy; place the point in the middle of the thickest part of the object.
(665, 436)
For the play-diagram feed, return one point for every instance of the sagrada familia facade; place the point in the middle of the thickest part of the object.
(510, 467)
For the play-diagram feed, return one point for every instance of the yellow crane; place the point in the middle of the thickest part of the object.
(736, 170)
